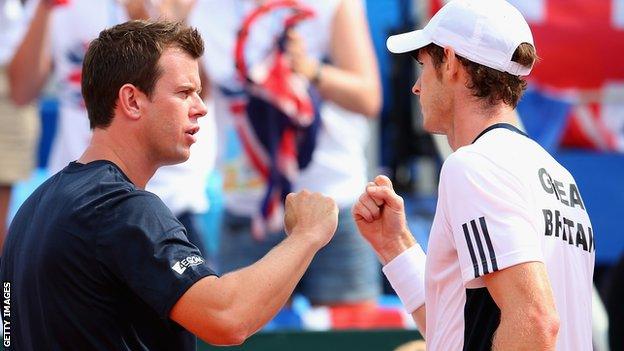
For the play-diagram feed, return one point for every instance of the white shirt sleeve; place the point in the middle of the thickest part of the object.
(489, 211)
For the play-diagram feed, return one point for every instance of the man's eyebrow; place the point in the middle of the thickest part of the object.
(190, 86)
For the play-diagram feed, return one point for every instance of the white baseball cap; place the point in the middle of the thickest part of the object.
(487, 32)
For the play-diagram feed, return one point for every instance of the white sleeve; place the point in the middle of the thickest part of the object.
(489, 212)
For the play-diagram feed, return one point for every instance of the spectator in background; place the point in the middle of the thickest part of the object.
(19, 126)
(54, 45)
(333, 52)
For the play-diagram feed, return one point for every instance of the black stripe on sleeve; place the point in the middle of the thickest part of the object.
(488, 242)
(475, 232)
(475, 265)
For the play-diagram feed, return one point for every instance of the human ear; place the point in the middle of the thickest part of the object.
(129, 101)
(451, 62)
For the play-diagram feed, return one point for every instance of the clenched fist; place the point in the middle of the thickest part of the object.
(312, 215)
(380, 217)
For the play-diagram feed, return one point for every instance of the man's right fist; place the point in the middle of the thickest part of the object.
(379, 215)
(312, 215)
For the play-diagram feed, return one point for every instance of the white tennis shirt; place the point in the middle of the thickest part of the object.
(502, 201)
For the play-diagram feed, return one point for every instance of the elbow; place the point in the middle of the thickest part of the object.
(18, 99)
(371, 104)
(547, 328)
(230, 338)
(237, 333)
(372, 108)
(552, 328)
(23, 87)
(17, 91)
(231, 332)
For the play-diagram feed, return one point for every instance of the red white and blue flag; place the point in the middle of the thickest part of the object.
(277, 117)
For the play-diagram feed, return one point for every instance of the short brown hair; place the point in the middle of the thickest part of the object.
(129, 53)
(487, 83)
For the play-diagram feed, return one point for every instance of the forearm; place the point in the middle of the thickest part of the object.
(176, 10)
(389, 250)
(353, 80)
(32, 62)
(406, 274)
(227, 310)
(380, 217)
(268, 284)
(392, 251)
(529, 319)
(137, 10)
(350, 91)
(420, 317)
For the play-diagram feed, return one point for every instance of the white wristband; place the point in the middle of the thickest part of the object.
(406, 274)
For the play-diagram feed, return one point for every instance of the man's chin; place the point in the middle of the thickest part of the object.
(436, 132)
(433, 129)
(177, 159)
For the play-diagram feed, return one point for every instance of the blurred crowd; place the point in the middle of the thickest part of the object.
(292, 87)
(295, 90)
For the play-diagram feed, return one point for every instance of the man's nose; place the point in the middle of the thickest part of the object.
(416, 87)
(199, 109)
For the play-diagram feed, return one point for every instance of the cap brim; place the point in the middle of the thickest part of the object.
(406, 42)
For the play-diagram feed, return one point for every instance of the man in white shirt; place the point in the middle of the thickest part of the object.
(511, 250)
